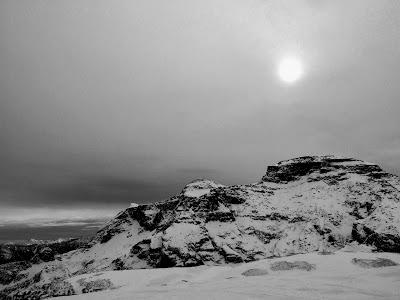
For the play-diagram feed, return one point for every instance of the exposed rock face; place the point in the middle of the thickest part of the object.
(293, 169)
(300, 205)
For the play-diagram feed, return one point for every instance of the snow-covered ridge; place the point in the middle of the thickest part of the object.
(307, 204)
(199, 187)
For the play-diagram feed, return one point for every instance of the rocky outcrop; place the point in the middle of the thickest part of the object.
(307, 204)
(294, 169)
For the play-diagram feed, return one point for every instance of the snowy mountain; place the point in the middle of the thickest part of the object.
(302, 205)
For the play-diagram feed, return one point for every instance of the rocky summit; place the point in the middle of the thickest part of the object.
(306, 204)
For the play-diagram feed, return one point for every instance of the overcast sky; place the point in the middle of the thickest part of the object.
(103, 103)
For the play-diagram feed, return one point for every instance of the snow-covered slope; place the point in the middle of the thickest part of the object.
(301, 205)
(334, 276)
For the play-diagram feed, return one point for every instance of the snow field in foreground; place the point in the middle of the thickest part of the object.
(334, 277)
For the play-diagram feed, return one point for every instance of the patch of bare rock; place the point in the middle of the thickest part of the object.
(95, 285)
(296, 265)
(255, 272)
(373, 263)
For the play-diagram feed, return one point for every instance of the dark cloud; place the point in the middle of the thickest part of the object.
(91, 191)
(34, 184)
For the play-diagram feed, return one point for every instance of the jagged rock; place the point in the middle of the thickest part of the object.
(299, 205)
(387, 242)
(293, 169)
(43, 254)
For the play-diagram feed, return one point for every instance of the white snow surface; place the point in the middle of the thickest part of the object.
(334, 277)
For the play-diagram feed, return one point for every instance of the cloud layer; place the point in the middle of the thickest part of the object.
(105, 104)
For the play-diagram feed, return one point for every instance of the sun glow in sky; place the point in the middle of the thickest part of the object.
(290, 69)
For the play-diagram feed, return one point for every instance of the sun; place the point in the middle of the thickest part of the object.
(290, 69)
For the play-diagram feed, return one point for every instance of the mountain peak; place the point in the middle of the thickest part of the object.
(199, 187)
(324, 159)
(295, 168)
